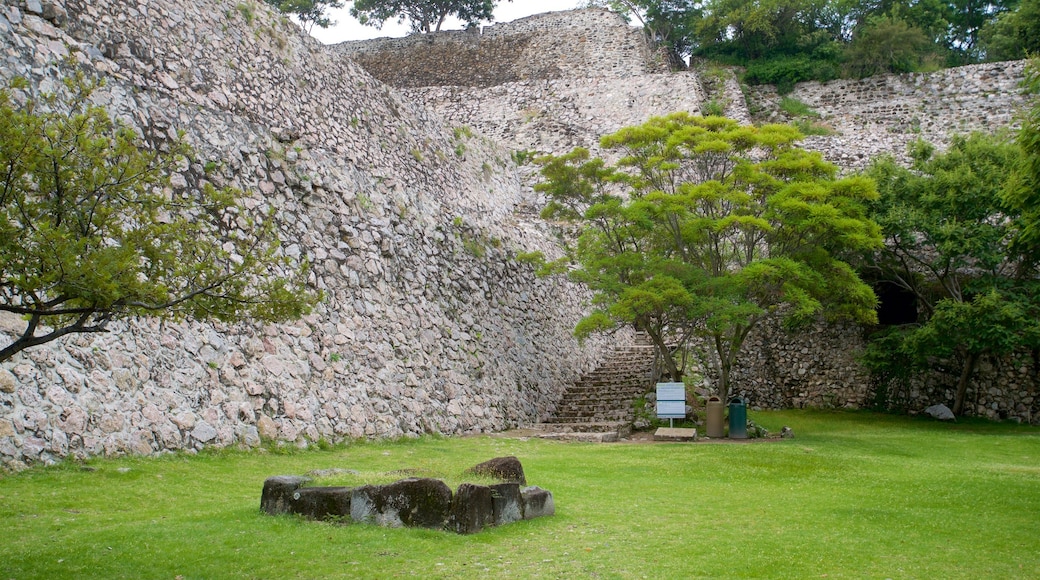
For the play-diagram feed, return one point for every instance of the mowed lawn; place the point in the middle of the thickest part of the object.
(853, 495)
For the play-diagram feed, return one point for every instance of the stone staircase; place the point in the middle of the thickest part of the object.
(598, 407)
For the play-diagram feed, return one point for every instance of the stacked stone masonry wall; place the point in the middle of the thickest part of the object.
(548, 46)
(428, 325)
(879, 115)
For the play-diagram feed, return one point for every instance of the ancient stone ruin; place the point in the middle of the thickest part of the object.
(416, 502)
(409, 204)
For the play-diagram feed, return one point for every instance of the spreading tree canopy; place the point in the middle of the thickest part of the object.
(310, 12)
(91, 231)
(423, 15)
(950, 242)
(705, 228)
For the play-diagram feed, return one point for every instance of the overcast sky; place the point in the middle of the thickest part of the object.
(347, 28)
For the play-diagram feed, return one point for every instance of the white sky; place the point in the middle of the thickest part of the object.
(347, 28)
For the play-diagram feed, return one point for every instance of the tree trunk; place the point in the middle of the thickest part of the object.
(967, 370)
(666, 356)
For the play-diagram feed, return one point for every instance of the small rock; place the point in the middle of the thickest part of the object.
(786, 432)
(940, 412)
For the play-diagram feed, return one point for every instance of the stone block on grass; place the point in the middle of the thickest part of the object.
(322, 503)
(507, 502)
(538, 502)
(414, 502)
(277, 496)
(472, 509)
(506, 469)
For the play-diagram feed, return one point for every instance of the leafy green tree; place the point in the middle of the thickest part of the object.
(669, 23)
(310, 13)
(948, 237)
(887, 45)
(1013, 35)
(423, 15)
(1022, 189)
(967, 20)
(91, 232)
(705, 228)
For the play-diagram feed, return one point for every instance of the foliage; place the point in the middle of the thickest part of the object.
(309, 12)
(848, 488)
(1013, 35)
(668, 23)
(887, 45)
(422, 15)
(948, 243)
(784, 42)
(786, 71)
(706, 228)
(90, 230)
(1022, 190)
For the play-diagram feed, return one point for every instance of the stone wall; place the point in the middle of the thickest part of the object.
(869, 117)
(428, 324)
(555, 45)
(884, 114)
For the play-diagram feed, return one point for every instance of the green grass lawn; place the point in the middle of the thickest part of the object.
(854, 495)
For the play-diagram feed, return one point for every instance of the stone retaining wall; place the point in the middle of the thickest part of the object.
(555, 45)
(428, 323)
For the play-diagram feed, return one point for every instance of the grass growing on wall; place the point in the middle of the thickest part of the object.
(852, 496)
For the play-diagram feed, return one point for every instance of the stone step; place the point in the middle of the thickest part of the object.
(621, 427)
(608, 401)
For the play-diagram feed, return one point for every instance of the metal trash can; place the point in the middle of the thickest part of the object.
(713, 426)
(737, 418)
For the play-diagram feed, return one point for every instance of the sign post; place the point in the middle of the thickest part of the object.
(671, 401)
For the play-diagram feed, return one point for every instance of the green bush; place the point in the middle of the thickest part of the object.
(786, 71)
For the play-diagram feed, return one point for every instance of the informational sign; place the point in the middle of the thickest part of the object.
(671, 401)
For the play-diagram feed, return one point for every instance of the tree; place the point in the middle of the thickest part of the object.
(1022, 190)
(948, 242)
(668, 23)
(704, 228)
(1013, 35)
(91, 231)
(423, 15)
(887, 45)
(309, 12)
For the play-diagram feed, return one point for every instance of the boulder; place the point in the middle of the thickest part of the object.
(418, 502)
(940, 412)
(507, 503)
(277, 496)
(506, 469)
(538, 502)
(472, 509)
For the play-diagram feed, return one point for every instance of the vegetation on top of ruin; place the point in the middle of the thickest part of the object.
(783, 43)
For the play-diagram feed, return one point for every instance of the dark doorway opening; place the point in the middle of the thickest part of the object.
(896, 305)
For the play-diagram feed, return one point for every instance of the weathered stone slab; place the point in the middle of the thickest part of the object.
(675, 434)
(322, 503)
(472, 509)
(507, 503)
(538, 502)
(410, 502)
(506, 469)
(277, 496)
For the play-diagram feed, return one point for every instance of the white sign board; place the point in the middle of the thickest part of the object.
(671, 401)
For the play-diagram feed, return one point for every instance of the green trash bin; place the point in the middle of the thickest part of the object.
(737, 418)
